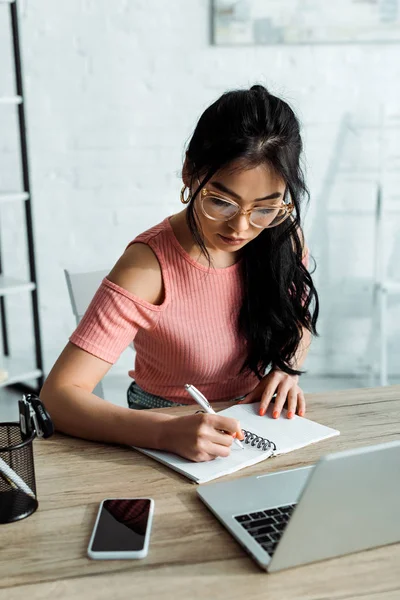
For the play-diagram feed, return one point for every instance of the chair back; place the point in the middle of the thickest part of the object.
(81, 288)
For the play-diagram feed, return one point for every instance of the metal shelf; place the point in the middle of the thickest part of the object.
(10, 285)
(10, 99)
(19, 370)
(13, 196)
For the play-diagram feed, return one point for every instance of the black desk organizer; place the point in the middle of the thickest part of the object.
(18, 498)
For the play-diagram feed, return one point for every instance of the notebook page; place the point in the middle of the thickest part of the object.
(287, 434)
(206, 471)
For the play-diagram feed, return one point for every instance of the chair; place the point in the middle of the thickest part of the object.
(82, 287)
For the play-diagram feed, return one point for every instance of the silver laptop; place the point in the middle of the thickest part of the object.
(348, 501)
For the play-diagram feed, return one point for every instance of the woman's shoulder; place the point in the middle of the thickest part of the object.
(155, 232)
(138, 271)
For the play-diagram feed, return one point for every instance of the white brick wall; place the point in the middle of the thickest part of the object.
(113, 92)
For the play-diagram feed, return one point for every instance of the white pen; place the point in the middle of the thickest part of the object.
(204, 403)
(15, 478)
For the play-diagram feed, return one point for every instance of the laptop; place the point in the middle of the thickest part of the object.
(349, 501)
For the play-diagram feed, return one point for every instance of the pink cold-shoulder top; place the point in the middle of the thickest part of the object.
(192, 337)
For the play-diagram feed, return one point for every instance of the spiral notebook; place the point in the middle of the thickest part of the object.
(264, 437)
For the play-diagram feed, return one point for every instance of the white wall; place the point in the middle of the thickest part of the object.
(113, 91)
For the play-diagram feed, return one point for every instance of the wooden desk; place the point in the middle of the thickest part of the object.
(191, 555)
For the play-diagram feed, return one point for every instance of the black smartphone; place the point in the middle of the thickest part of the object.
(122, 529)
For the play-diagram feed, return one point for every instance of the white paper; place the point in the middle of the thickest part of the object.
(287, 435)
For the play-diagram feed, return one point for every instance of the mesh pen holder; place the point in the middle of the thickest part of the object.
(17, 474)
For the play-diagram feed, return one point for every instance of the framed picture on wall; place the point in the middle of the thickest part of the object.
(261, 22)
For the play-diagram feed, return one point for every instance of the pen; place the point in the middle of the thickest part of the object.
(204, 403)
(10, 474)
(8, 480)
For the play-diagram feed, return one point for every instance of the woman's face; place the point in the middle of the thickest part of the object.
(257, 187)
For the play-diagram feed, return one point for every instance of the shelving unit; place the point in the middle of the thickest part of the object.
(369, 296)
(20, 369)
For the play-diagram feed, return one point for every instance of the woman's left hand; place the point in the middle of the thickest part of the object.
(286, 387)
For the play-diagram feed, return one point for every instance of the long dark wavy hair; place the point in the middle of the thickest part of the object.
(254, 127)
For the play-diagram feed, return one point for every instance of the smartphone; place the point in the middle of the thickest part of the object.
(122, 529)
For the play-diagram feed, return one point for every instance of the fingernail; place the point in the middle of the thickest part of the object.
(261, 412)
(275, 414)
(301, 413)
(290, 415)
(242, 434)
(234, 434)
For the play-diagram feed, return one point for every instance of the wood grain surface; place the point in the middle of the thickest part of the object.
(191, 555)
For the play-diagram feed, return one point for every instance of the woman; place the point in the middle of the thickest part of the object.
(217, 295)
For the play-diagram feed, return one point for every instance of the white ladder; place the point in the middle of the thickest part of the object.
(385, 287)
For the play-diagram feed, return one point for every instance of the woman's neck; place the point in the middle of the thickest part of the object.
(220, 259)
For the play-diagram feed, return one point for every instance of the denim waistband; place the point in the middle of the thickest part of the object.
(139, 399)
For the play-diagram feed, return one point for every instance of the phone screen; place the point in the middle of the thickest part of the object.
(122, 525)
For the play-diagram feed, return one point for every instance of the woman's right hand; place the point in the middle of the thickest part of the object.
(200, 437)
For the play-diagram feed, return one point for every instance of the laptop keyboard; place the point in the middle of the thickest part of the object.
(267, 526)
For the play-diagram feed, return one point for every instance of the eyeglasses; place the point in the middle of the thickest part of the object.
(218, 208)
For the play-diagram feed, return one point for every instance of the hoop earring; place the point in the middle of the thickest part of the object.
(189, 196)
